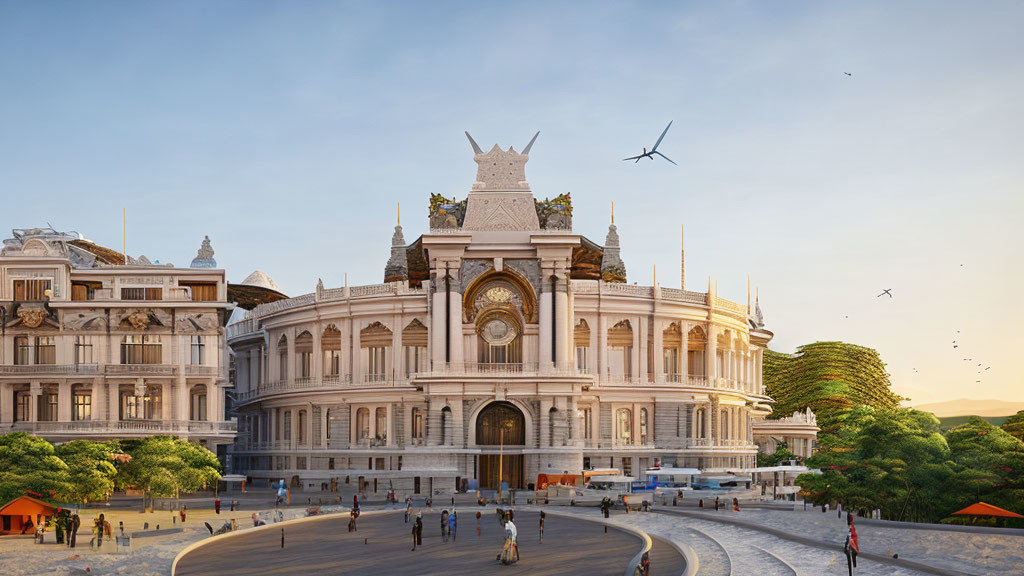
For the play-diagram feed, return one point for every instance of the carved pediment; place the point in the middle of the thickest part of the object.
(85, 321)
(198, 322)
(31, 318)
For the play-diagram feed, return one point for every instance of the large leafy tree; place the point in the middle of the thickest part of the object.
(1014, 425)
(91, 470)
(28, 463)
(992, 462)
(164, 466)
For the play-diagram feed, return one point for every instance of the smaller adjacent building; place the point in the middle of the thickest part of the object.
(97, 345)
(799, 432)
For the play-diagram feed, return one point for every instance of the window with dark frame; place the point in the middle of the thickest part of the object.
(31, 290)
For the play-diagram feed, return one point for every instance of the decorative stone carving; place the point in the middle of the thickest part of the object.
(204, 256)
(85, 321)
(527, 268)
(501, 211)
(31, 317)
(446, 213)
(198, 322)
(472, 268)
(500, 170)
(555, 214)
(138, 319)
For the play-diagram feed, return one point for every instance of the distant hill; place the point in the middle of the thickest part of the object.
(830, 377)
(947, 422)
(967, 407)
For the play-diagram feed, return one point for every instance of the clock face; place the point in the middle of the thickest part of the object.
(498, 332)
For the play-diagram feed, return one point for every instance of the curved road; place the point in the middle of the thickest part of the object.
(324, 546)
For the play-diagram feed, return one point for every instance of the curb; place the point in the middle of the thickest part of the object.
(210, 539)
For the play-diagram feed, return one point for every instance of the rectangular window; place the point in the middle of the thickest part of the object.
(586, 462)
(587, 423)
(81, 407)
(416, 485)
(375, 368)
(46, 350)
(671, 360)
(141, 293)
(198, 351)
(378, 464)
(305, 364)
(23, 412)
(415, 360)
(22, 351)
(31, 290)
(330, 463)
(129, 406)
(82, 291)
(140, 349)
(581, 359)
(288, 425)
(417, 424)
(201, 291)
(332, 362)
(198, 407)
(83, 350)
(627, 466)
(47, 408)
(282, 363)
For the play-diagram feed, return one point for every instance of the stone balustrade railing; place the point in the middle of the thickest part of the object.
(50, 369)
(143, 426)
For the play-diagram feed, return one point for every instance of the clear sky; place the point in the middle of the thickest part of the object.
(288, 131)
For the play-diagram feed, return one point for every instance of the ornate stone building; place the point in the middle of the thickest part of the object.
(499, 334)
(799, 432)
(97, 345)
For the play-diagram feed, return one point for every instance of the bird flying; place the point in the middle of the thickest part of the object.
(847, 73)
(886, 291)
(650, 155)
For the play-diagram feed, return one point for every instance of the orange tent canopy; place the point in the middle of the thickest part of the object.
(27, 506)
(983, 509)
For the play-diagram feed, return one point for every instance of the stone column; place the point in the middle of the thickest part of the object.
(434, 407)
(642, 350)
(294, 428)
(546, 320)
(167, 404)
(455, 315)
(6, 402)
(684, 352)
(437, 320)
(545, 421)
(711, 354)
(113, 401)
(563, 329)
(181, 398)
(35, 391)
(602, 347)
(64, 402)
(659, 351)
(318, 354)
(214, 405)
(292, 368)
(396, 351)
(356, 354)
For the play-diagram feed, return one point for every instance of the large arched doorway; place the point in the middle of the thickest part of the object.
(500, 426)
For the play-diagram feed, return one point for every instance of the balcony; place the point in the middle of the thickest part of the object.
(498, 369)
(140, 369)
(736, 444)
(296, 385)
(113, 428)
(49, 369)
(194, 370)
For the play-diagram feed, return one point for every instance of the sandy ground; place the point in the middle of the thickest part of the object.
(151, 556)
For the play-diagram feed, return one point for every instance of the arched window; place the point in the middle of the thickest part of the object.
(418, 428)
(304, 354)
(197, 402)
(380, 424)
(330, 346)
(696, 343)
(724, 428)
(552, 425)
(500, 422)
(620, 351)
(446, 421)
(581, 339)
(643, 425)
(282, 357)
(375, 340)
(414, 345)
(301, 425)
(624, 425)
(362, 423)
(672, 340)
(499, 338)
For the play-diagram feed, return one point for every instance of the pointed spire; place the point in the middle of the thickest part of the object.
(682, 258)
(530, 145)
(204, 256)
(397, 268)
(398, 213)
(655, 273)
(612, 267)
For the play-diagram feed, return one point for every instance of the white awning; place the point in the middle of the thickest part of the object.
(672, 472)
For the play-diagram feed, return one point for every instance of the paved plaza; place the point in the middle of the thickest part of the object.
(382, 545)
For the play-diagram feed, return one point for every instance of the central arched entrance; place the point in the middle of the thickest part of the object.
(500, 426)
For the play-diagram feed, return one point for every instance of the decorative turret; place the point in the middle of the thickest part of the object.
(397, 268)
(204, 256)
(612, 267)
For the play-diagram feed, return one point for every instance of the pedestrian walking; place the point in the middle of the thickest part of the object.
(282, 537)
(216, 505)
(542, 515)
(75, 523)
(839, 510)
(718, 503)
(352, 521)
(181, 513)
(419, 529)
(735, 504)
(477, 523)
(851, 548)
(452, 524)
(444, 525)
(413, 537)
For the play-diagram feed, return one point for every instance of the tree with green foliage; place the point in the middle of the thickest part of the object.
(782, 454)
(28, 463)
(1014, 425)
(91, 470)
(993, 462)
(829, 377)
(164, 466)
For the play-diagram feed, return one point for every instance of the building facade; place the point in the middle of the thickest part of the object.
(799, 432)
(97, 345)
(501, 345)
